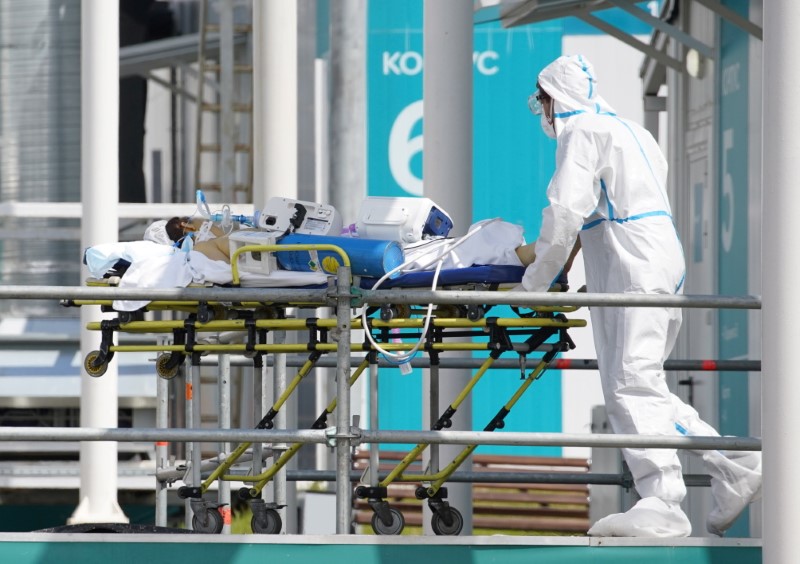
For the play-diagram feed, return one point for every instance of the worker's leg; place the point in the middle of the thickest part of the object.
(632, 344)
(735, 475)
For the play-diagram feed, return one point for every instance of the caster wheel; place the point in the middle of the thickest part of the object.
(475, 313)
(267, 524)
(163, 369)
(245, 494)
(441, 528)
(396, 527)
(210, 522)
(91, 368)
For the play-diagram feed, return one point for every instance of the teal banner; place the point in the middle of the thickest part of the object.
(513, 162)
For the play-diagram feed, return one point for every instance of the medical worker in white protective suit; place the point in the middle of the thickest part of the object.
(609, 187)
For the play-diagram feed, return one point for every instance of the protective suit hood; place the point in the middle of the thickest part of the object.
(571, 83)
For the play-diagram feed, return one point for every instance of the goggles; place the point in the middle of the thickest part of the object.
(535, 102)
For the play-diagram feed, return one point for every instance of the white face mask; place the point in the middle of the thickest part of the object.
(548, 128)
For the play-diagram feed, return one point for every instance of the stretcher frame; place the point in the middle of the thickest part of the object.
(261, 318)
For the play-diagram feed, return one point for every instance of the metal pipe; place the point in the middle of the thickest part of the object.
(376, 297)
(224, 384)
(367, 436)
(279, 385)
(194, 422)
(781, 205)
(588, 478)
(162, 451)
(344, 501)
(709, 365)
(374, 454)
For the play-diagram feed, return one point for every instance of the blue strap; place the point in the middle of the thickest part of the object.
(620, 220)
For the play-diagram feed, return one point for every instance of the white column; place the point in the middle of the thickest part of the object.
(348, 107)
(99, 224)
(447, 172)
(275, 95)
(227, 118)
(781, 270)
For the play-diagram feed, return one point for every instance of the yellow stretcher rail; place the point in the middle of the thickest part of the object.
(279, 248)
(303, 324)
(296, 348)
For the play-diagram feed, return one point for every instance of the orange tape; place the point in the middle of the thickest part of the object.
(161, 443)
(188, 391)
(226, 515)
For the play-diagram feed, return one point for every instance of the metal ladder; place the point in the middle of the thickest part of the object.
(224, 157)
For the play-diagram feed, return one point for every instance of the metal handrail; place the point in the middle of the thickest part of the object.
(357, 435)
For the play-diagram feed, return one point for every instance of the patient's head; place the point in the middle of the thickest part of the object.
(177, 227)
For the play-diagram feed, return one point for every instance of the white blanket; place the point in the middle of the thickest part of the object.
(491, 241)
(181, 269)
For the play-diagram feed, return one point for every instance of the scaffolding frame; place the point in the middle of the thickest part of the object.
(345, 434)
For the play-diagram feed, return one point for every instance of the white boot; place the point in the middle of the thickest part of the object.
(735, 483)
(650, 517)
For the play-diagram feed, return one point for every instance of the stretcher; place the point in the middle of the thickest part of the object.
(392, 327)
(447, 520)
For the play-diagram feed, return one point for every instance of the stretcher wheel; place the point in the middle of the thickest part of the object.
(389, 312)
(396, 527)
(163, 368)
(475, 313)
(441, 528)
(268, 523)
(91, 367)
(247, 493)
(209, 522)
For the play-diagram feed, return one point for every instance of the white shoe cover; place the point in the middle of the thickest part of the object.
(650, 517)
(735, 483)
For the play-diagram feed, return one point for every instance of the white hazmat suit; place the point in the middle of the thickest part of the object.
(609, 187)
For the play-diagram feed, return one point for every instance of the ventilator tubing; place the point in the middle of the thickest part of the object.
(368, 257)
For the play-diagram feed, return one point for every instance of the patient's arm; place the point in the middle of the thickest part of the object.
(215, 249)
(527, 254)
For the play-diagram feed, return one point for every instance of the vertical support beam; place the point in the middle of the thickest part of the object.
(344, 494)
(100, 224)
(447, 100)
(306, 98)
(280, 485)
(348, 112)
(195, 412)
(447, 165)
(374, 425)
(162, 448)
(227, 165)
(188, 418)
(224, 486)
(781, 302)
(275, 94)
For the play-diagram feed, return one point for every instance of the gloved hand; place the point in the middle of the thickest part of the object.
(561, 284)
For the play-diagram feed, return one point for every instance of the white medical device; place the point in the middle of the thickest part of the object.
(259, 262)
(406, 220)
(284, 215)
